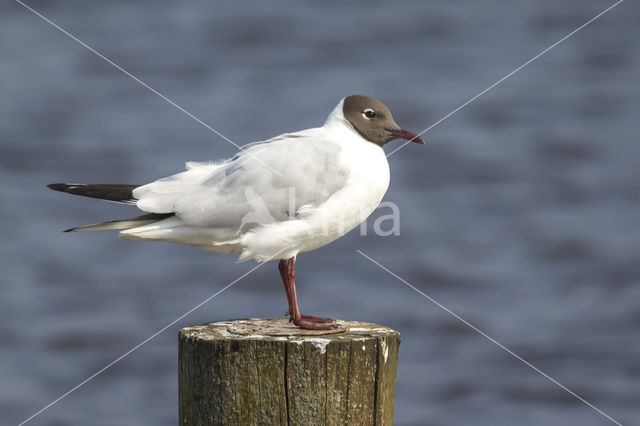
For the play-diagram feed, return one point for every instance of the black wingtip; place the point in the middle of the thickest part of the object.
(69, 230)
(62, 187)
(111, 192)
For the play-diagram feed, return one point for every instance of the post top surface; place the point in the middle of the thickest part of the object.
(282, 329)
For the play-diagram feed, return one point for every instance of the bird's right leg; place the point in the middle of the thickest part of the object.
(282, 267)
(306, 322)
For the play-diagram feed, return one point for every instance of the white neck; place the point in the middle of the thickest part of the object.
(337, 115)
(337, 120)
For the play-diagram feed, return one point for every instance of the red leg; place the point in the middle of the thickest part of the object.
(308, 322)
(282, 267)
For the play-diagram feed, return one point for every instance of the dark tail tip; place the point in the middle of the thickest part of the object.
(62, 187)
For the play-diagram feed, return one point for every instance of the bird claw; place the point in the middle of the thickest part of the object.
(309, 318)
(311, 325)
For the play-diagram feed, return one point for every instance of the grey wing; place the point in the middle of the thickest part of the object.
(268, 182)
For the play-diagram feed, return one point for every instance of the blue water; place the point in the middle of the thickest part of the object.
(521, 213)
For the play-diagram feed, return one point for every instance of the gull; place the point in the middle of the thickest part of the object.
(329, 179)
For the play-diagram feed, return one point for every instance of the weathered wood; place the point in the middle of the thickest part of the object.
(270, 372)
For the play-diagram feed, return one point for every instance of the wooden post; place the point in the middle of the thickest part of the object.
(266, 371)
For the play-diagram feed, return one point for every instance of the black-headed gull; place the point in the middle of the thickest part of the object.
(274, 199)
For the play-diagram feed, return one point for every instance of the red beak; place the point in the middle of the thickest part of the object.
(405, 134)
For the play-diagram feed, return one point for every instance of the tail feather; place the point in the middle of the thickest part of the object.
(116, 193)
(133, 222)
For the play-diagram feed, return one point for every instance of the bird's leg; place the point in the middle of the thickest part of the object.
(294, 311)
(306, 322)
(282, 267)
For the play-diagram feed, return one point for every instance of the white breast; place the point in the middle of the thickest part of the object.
(367, 179)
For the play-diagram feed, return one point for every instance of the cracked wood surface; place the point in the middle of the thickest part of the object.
(265, 371)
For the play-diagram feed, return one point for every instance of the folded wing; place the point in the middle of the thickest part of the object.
(267, 182)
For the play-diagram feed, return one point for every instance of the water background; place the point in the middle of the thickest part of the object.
(521, 213)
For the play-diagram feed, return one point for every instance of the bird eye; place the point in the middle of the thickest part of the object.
(368, 113)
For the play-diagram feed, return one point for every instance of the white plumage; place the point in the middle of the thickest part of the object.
(329, 179)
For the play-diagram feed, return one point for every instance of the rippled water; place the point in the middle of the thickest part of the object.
(521, 214)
